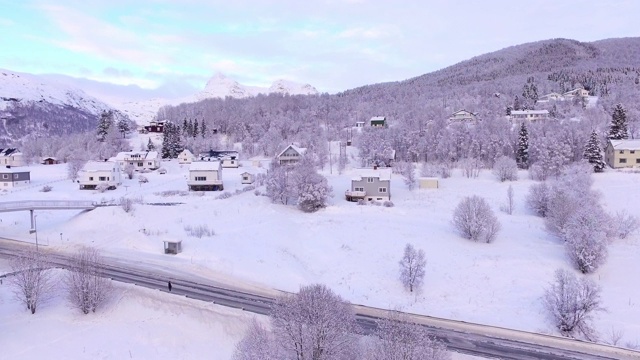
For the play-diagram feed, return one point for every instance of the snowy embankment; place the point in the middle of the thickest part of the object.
(353, 249)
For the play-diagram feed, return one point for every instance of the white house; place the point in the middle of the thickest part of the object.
(95, 173)
(578, 92)
(186, 157)
(205, 176)
(622, 153)
(12, 177)
(247, 178)
(11, 157)
(229, 162)
(370, 184)
(530, 115)
(553, 96)
(462, 116)
(291, 155)
(140, 160)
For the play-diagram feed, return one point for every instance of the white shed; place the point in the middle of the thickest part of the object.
(247, 178)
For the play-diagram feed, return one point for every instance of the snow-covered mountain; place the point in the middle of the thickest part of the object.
(35, 105)
(24, 88)
(218, 86)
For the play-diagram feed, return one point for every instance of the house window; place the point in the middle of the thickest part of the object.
(623, 161)
(382, 190)
(370, 180)
(358, 189)
(632, 151)
(637, 161)
(621, 151)
(90, 178)
(247, 178)
(16, 176)
(141, 164)
(102, 178)
(201, 178)
(5, 176)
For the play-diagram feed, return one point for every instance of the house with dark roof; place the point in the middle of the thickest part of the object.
(11, 157)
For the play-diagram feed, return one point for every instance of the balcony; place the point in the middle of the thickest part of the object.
(354, 195)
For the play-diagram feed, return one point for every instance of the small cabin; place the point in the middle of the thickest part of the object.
(247, 178)
(378, 122)
(155, 127)
(186, 157)
(49, 161)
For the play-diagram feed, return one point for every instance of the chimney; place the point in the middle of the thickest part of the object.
(375, 167)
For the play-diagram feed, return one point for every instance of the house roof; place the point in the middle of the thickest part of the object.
(464, 112)
(378, 118)
(91, 166)
(633, 144)
(382, 174)
(299, 150)
(186, 152)
(523, 112)
(204, 166)
(13, 170)
(246, 173)
(9, 151)
(144, 155)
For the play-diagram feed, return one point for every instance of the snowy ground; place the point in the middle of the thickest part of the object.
(354, 249)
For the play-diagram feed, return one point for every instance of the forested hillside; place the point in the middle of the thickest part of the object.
(416, 108)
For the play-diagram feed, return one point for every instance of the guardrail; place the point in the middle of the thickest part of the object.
(45, 204)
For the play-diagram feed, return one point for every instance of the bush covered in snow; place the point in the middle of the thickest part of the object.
(505, 169)
(46, 188)
(475, 220)
(199, 231)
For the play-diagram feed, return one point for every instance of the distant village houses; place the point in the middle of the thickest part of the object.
(463, 116)
(529, 115)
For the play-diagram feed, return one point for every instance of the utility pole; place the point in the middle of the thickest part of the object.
(35, 227)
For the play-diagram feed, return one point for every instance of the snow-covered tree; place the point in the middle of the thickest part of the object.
(32, 279)
(171, 141)
(412, 267)
(257, 344)
(74, 166)
(586, 237)
(87, 287)
(593, 152)
(571, 304)
(408, 173)
(314, 324)
(475, 220)
(505, 168)
(150, 145)
(124, 127)
(398, 338)
(538, 199)
(312, 189)
(104, 124)
(279, 183)
(129, 170)
(522, 152)
(618, 129)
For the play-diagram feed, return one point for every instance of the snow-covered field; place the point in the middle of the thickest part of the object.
(354, 249)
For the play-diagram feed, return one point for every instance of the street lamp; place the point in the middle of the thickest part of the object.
(35, 227)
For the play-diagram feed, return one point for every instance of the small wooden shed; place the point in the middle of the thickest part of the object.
(247, 178)
(50, 161)
(172, 246)
(428, 183)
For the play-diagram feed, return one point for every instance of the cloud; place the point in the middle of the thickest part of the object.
(6, 22)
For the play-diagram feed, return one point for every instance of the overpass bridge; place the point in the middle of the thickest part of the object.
(33, 205)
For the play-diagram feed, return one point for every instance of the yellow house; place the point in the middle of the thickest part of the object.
(622, 153)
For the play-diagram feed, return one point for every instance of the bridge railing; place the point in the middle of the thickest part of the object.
(39, 204)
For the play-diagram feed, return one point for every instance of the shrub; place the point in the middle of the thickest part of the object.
(505, 168)
(257, 192)
(475, 220)
(142, 179)
(198, 231)
(538, 199)
(224, 195)
(387, 204)
(126, 204)
(46, 188)
(102, 187)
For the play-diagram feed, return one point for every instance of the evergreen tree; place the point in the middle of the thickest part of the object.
(522, 153)
(150, 145)
(618, 128)
(593, 153)
(185, 126)
(106, 119)
(123, 127)
(171, 141)
(203, 129)
(516, 103)
(194, 131)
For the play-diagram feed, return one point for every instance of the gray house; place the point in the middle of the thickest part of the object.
(10, 177)
(370, 184)
(291, 155)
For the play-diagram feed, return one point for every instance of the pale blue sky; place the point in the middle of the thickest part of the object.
(331, 44)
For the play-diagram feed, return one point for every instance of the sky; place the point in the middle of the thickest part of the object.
(333, 45)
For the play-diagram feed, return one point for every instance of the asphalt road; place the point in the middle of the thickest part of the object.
(468, 341)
